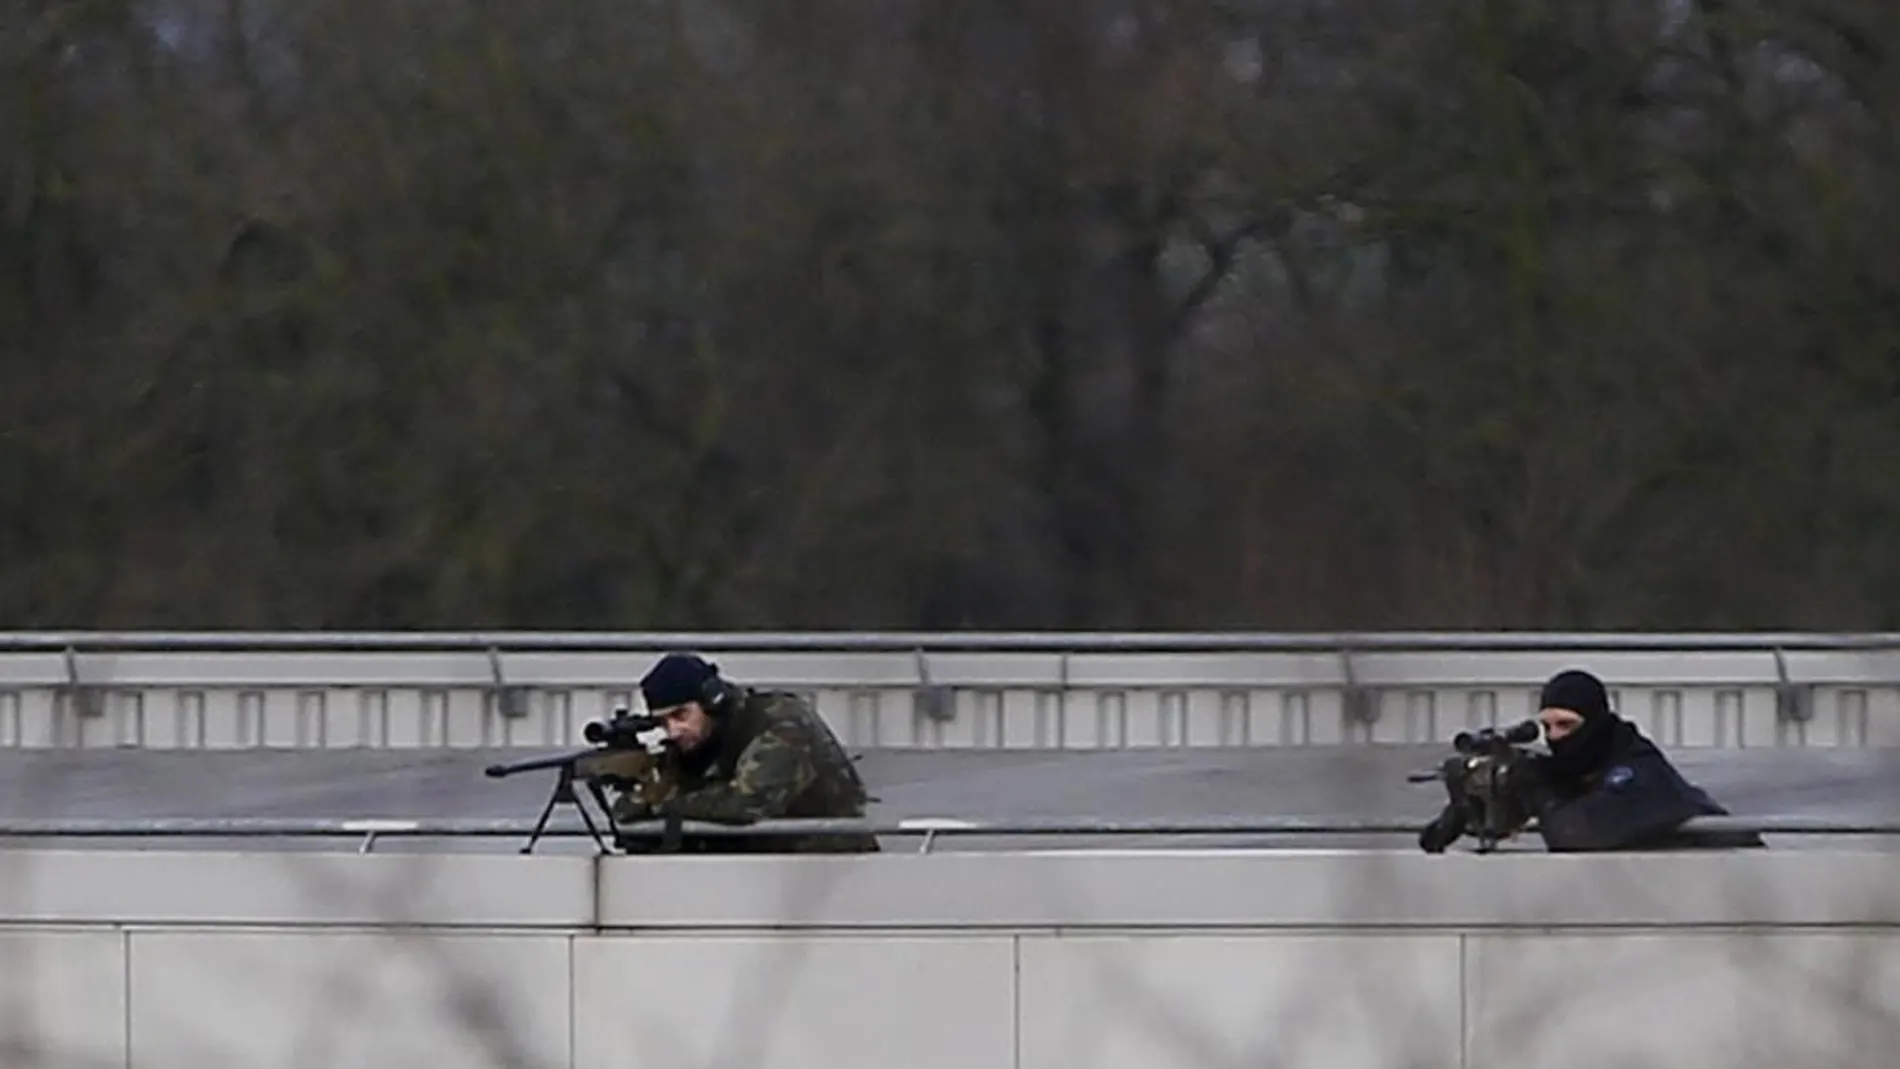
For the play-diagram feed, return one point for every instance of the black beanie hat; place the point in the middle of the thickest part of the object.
(678, 678)
(1578, 691)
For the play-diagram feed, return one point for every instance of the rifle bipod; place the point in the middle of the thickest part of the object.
(563, 792)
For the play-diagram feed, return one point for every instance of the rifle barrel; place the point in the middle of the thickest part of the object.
(534, 764)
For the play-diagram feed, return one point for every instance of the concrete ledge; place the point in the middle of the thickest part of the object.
(1022, 891)
(1268, 889)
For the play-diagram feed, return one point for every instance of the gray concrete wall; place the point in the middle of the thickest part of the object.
(241, 698)
(1148, 960)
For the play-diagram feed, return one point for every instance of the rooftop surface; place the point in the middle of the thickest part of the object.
(1361, 782)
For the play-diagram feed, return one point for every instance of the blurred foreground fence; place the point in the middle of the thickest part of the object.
(1174, 959)
(962, 690)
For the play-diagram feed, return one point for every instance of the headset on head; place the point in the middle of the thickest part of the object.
(716, 694)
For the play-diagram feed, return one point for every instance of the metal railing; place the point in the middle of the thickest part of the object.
(960, 641)
(369, 830)
(234, 688)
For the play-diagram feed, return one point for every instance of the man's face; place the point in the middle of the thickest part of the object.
(1559, 722)
(687, 726)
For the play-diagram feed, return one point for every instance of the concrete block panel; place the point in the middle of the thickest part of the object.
(33, 669)
(1213, 1000)
(180, 887)
(340, 1000)
(62, 999)
(1879, 667)
(786, 1001)
(1234, 670)
(1715, 999)
(1258, 889)
(1529, 669)
(280, 669)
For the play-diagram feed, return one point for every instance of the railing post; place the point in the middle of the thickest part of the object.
(1361, 705)
(937, 703)
(1794, 702)
(86, 702)
(511, 703)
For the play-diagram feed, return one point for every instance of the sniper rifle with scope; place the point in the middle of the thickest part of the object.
(626, 753)
(1490, 781)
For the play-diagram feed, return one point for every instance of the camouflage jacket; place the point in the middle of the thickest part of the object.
(771, 756)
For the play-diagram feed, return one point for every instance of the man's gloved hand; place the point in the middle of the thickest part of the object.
(630, 808)
(1529, 788)
(672, 830)
(1443, 831)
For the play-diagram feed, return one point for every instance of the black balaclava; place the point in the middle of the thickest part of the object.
(1589, 747)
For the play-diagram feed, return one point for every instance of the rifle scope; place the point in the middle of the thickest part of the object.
(623, 730)
(1466, 743)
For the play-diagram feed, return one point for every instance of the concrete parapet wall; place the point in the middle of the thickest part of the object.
(1155, 960)
(950, 699)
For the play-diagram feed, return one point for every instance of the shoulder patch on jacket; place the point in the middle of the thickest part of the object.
(1619, 776)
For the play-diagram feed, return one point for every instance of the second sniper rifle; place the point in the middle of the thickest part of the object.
(1487, 781)
(624, 732)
